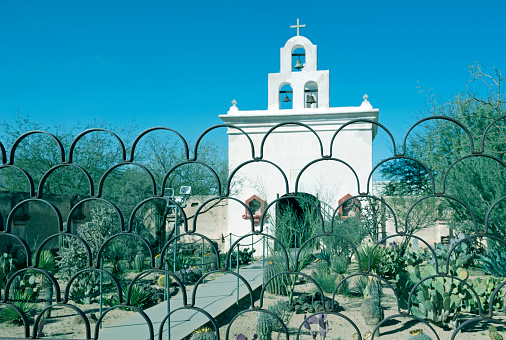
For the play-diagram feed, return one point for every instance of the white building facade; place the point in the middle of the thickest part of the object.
(299, 93)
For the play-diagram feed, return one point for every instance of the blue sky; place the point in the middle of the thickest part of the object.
(180, 64)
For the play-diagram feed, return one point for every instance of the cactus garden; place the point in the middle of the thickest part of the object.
(441, 288)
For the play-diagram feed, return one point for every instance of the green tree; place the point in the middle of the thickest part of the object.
(440, 144)
(38, 153)
(128, 184)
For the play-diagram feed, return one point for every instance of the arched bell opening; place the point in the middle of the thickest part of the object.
(298, 59)
(311, 95)
(286, 97)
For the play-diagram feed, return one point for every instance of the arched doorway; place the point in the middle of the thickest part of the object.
(297, 219)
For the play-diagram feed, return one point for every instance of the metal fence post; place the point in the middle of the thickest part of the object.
(237, 259)
(230, 250)
(263, 258)
(203, 259)
(100, 307)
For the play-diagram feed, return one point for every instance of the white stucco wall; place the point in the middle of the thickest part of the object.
(292, 147)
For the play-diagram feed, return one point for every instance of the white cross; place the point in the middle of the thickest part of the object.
(297, 26)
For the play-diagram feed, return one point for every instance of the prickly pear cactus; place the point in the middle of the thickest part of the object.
(484, 289)
(493, 334)
(437, 299)
(29, 285)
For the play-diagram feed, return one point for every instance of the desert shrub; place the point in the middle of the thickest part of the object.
(182, 262)
(344, 288)
(189, 275)
(115, 253)
(325, 279)
(210, 261)
(338, 264)
(352, 229)
(281, 309)
(72, 256)
(245, 256)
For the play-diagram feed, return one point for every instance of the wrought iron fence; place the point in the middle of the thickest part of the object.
(439, 289)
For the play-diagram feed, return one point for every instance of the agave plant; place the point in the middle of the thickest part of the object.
(138, 296)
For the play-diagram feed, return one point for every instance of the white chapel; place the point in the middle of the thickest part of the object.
(295, 158)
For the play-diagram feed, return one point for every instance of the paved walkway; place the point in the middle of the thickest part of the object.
(214, 297)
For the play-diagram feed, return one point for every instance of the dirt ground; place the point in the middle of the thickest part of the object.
(340, 328)
(63, 323)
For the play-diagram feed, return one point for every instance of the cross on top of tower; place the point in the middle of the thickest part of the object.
(297, 26)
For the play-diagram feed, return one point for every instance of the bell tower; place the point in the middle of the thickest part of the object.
(310, 87)
(298, 94)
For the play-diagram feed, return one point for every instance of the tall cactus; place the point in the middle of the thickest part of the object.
(278, 285)
(264, 326)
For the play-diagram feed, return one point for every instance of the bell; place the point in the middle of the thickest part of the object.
(298, 64)
(310, 99)
(287, 99)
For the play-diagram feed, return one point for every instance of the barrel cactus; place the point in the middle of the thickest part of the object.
(205, 333)
(161, 281)
(418, 334)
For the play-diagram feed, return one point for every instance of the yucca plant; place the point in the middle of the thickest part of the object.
(21, 300)
(47, 261)
(364, 252)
